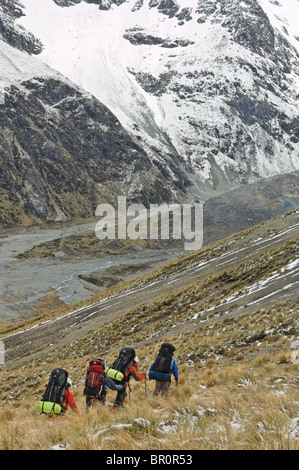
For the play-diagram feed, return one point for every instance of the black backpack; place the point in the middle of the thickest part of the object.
(164, 358)
(56, 386)
(126, 355)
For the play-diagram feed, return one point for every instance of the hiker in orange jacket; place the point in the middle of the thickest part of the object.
(131, 371)
(69, 399)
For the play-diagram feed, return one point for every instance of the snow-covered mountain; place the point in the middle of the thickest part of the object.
(207, 90)
(62, 152)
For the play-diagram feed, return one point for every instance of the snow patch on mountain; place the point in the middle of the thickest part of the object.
(216, 81)
(284, 16)
(17, 67)
(87, 45)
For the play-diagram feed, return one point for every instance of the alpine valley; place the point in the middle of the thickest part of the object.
(157, 101)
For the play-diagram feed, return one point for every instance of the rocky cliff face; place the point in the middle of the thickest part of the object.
(12, 33)
(250, 205)
(222, 76)
(232, 92)
(171, 100)
(62, 152)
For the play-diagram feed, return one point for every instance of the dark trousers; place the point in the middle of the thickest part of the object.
(161, 388)
(100, 398)
(120, 398)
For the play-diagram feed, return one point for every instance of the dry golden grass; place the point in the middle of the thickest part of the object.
(244, 398)
(234, 406)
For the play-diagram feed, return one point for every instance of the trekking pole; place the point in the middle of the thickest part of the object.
(145, 379)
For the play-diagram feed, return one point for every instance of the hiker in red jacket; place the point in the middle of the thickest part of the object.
(69, 399)
(131, 371)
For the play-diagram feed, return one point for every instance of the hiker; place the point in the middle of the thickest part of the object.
(162, 369)
(68, 398)
(95, 388)
(96, 383)
(57, 397)
(126, 363)
(131, 371)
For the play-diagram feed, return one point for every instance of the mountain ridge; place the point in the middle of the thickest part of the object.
(208, 112)
(63, 152)
(225, 95)
(209, 102)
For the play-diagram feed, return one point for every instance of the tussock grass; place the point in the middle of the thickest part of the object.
(246, 406)
(221, 401)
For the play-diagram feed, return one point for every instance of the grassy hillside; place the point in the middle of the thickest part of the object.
(238, 386)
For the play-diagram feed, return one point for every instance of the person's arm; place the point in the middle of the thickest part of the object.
(72, 402)
(175, 371)
(135, 374)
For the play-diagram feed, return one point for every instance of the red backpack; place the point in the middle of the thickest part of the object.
(95, 378)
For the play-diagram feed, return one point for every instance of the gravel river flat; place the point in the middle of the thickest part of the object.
(25, 281)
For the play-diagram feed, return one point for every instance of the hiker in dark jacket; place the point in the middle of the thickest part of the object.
(131, 371)
(100, 397)
(162, 369)
(163, 387)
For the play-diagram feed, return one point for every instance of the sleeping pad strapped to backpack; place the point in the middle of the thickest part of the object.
(162, 366)
(125, 357)
(95, 378)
